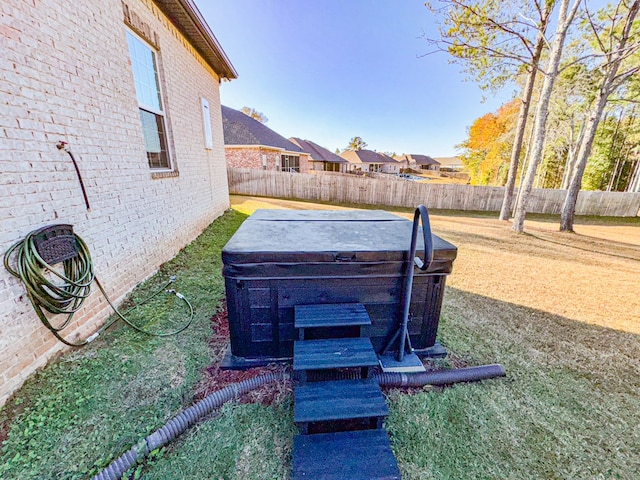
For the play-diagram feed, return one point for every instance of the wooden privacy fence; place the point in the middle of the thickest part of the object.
(390, 192)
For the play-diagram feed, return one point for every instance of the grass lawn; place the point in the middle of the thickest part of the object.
(561, 312)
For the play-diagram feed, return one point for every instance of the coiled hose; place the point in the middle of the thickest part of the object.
(181, 422)
(65, 293)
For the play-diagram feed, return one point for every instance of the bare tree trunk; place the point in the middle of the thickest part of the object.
(610, 70)
(565, 17)
(523, 115)
(634, 183)
(611, 148)
(571, 160)
(613, 175)
(569, 207)
(615, 187)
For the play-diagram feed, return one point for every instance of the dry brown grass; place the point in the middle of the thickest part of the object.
(576, 276)
(591, 276)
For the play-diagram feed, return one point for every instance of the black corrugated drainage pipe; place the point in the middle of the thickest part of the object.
(441, 377)
(181, 422)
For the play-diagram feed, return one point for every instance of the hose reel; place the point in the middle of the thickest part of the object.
(63, 291)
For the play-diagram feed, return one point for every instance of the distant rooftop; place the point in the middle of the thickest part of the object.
(418, 159)
(317, 153)
(241, 129)
(366, 156)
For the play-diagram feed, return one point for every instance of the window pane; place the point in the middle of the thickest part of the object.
(154, 139)
(145, 73)
(150, 132)
(290, 163)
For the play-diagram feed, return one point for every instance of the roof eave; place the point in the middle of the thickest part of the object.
(184, 14)
(265, 147)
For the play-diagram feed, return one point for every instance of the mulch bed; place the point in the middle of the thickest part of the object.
(215, 378)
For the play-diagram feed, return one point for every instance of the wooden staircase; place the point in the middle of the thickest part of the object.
(340, 421)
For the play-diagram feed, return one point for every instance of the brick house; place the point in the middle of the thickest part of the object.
(320, 158)
(251, 144)
(109, 79)
(370, 161)
(418, 162)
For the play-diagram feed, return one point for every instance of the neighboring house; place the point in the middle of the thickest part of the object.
(133, 87)
(450, 164)
(251, 144)
(320, 157)
(418, 162)
(370, 161)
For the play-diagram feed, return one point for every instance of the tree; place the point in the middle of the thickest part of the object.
(497, 41)
(612, 37)
(356, 143)
(568, 110)
(566, 16)
(523, 116)
(256, 115)
(487, 149)
(613, 156)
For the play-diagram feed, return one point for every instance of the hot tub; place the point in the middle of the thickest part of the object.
(281, 258)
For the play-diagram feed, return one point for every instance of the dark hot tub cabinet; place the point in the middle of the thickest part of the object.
(278, 259)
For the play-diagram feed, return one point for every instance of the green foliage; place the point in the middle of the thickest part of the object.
(492, 39)
(356, 143)
(613, 155)
(72, 418)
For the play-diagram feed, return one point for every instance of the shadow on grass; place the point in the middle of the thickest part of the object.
(550, 246)
(569, 407)
(569, 400)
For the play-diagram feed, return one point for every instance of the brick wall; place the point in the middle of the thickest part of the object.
(251, 157)
(65, 75)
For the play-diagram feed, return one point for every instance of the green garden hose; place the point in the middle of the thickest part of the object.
(64, 293)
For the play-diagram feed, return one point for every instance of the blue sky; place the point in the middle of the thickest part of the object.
(328, 70)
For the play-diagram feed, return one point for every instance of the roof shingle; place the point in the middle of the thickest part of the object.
(418, 159)
(317, 153)
(241, 129)
(366, 156)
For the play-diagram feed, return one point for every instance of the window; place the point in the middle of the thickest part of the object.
(152, 116)
(331, 167)
(289, 163)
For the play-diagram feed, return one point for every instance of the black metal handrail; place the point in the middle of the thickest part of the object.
(421, 213)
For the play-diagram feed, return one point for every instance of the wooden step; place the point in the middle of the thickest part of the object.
(333, 353)
(359, 455)
(331, 315)
(338, 400)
